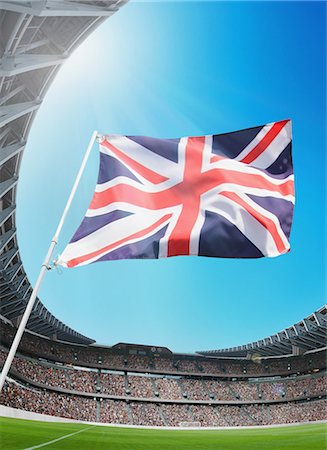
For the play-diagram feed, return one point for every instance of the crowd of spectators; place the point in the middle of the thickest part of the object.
(139, 362)
(39, 373)
(236, 416)
(141, 386)
(168, 388)
(194, 389)
(219, 390)
(148, 414)
(3, 356)
(110, 383)
(272, 390)
(156, 414)
(114, 412)
(83, 380)
(107, 358)
(293, 388)
(244, 390)
(187, 365)
(298, 412)
(59, 377)
(47, 402)
(174, 414)
(208, 416)
(165, 387)
(318, 385)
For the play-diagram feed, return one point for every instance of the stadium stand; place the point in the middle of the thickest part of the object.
(156, 414)
(120, 358)
(160, 388)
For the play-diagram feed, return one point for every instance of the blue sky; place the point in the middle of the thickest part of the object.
(170, 69)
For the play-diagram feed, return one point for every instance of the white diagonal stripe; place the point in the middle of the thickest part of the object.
(146, 187)
(237, 166)
(110, 234)
(262, 133)
(275, 148)
(246, 223)
(58, 439)
(142, 155)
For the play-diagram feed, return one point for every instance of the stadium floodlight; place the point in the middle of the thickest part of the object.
(45, 266)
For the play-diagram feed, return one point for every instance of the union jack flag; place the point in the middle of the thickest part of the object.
(228, 195)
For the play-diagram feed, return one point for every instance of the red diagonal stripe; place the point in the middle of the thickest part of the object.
(255, 181)
(265, 221)
(76, 261)
(130, 194)
(145, 172)
(215, 177)
(263, 144)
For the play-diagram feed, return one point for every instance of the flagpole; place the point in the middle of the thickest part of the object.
(45, 266)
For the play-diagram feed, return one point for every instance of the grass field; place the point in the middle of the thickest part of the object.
(26, 434)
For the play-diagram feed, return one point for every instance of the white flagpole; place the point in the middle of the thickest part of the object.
(44, 268)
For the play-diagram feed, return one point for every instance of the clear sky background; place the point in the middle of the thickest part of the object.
(171, 69)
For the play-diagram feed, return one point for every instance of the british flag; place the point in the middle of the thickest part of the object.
(228, 195)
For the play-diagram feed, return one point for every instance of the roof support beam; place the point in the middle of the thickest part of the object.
(10, 305)
(24, 291)
(20, 281)
(9, 113)
(320, 318)
(4, 133)
(300, 342)
(321, 332)
(310, 326)
(10, 151)
(11, 94)
(7, 257)
(5, 291)
(300, 331)
(10, 301)
(7, 185)
(16, 312)
(48, 8)
(15, 31)
(13, 271)
(38, 328)
(32, 46)
(32, 321)
(6, 238)
(3, 283)
(311, 340)
(13, 65)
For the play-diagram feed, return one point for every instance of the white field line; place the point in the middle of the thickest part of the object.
(58, 439)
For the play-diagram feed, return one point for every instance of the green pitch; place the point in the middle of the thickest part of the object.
(25, 434)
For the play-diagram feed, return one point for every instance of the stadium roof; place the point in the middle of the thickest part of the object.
(36, 37)
(308, 334)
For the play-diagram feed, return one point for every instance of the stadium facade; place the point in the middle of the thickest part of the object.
(274, 380)
(146, 385)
